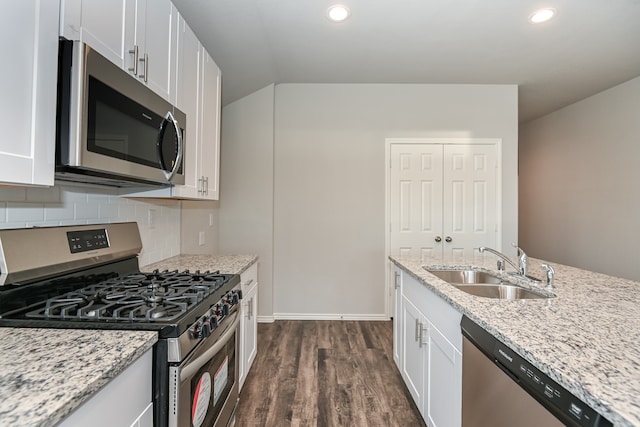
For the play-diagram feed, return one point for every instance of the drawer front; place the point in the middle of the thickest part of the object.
(249, 278)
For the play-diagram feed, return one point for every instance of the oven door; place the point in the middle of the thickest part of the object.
(203, 389)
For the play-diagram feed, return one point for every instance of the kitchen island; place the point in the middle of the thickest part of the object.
(46, 374)
(586, 338)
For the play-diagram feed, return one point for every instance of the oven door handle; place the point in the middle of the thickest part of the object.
(187, 371)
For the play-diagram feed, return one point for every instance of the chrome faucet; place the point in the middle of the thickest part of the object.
(523, 259)
(500, 255)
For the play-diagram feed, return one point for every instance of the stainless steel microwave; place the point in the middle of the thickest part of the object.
(112, 129)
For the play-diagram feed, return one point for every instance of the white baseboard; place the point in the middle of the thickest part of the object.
(266, 319)
(323, 316)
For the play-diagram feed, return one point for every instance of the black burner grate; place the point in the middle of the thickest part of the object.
(156, 296)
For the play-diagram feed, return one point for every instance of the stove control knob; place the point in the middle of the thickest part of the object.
(235, 298)
(213, 321)
(225, 309)
(205, 329)
(195, 332)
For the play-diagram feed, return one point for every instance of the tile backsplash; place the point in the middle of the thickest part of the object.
(70, 204)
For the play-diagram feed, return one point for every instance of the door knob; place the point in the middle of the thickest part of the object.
(438, 239)
(448, 239)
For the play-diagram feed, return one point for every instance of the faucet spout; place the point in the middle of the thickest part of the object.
(500, 255)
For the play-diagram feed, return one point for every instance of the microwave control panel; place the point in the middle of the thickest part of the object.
(87, 240)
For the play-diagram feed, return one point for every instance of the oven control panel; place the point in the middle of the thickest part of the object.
(214, 316)
(87, 240)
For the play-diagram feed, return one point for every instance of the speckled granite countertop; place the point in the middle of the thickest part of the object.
(46, 374)
(228, 264)
(587, 338)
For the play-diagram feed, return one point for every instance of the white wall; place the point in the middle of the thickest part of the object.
(329, 189)
(76, 204)
(199, 216)
(246, 187)
(579, 180)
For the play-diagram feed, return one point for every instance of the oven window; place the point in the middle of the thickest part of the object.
(211, 385)
(120, 127)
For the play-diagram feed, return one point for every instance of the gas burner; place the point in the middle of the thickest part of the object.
(155, 296)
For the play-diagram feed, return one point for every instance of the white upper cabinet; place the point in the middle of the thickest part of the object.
(210, 117)
(136, 35)
(28, 87)
(198, 95)
(188, 83)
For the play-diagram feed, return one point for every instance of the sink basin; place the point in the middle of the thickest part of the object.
(466, 276)
(484, 284)
(510, 292)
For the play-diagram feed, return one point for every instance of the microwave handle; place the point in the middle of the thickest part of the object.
(169, 174)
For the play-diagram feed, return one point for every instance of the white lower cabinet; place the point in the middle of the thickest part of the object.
(444, 397)
(126, 401)
(430, 352)
(415, 352)
(397, 311)
(248, 322)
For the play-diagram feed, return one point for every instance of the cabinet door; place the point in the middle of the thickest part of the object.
(108, 27)
(28, 85)
(414, 352)
(188, 97)
(250, 331)
(444, 397)
(469, 198)
(210, 127)
(397, 317)
(248, 322)
(159, 33)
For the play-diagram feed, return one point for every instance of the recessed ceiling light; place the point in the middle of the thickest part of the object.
(338, 13)
(542, 15)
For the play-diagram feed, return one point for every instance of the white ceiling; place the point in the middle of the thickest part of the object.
(591, 45)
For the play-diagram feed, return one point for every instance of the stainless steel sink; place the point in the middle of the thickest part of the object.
(500, 291)
(466, 276)
(485, 284)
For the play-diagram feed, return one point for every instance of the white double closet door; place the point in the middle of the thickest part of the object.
(443, 197)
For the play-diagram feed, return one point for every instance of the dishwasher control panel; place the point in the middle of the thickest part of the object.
(555, 398)
(545, 390)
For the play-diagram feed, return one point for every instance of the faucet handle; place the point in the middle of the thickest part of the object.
(523, 259)
(550, 273)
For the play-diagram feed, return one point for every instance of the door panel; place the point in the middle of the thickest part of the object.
(469, 197)
(415, 198)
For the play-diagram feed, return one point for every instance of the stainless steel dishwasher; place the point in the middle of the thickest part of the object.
(501, 389)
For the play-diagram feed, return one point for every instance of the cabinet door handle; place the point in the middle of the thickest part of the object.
(134, 52)
(145, 60)
(418, 328)
(206, 185)
(438, 239)
(448, 239)
(424, 332)
(397, 280)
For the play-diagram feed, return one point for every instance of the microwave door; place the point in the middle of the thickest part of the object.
(170, 145)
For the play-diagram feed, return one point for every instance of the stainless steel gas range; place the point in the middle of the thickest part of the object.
(88, 277)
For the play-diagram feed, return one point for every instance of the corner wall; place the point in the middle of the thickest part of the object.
(579, 177)
(245, 214)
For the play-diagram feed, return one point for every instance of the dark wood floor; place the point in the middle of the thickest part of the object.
(325, 373)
